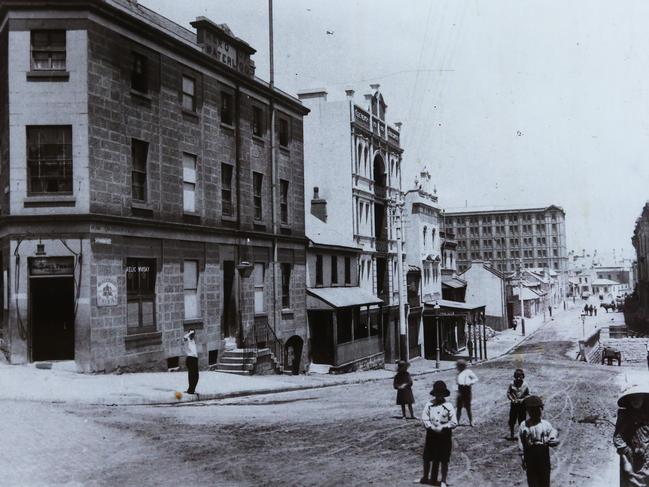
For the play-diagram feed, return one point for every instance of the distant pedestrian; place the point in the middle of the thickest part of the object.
(465, 380)
(403, 384)
(469, 347)
(595, 310)
(631, 437)
(535, 437)
(586, 308)
(191, 361)
(440, 421)
(517, 391)
(564, 305)
(550, 310)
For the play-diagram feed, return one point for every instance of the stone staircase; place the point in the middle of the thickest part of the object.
(248, 362)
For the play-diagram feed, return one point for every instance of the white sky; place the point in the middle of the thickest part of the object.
(506, 102)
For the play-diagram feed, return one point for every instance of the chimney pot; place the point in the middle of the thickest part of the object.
(349, 93)
(375, 86)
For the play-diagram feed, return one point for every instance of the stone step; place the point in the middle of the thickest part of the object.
(223, 366)
(237, 360)
(236, 372)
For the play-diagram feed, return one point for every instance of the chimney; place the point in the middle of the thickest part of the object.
(318, 206)
(398, 126)
(368, 97)
(350, 94)
(375, 87)
(314, 93)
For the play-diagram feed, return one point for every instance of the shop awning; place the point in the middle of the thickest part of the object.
(528, 295)
(339, 297)
(454, 283)
(453, 305)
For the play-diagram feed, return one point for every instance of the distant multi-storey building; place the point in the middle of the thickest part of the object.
(354, 158)
(507, 237)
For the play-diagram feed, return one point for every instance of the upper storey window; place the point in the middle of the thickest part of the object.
(139, 73)
(49, 160)
(48, 50)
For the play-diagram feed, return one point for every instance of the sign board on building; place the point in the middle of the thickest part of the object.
(218, 41)
(106, 293)
(51, 266)
(362, 117)
(393, 135)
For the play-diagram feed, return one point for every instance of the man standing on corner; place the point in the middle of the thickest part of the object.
(465, 380)
(192, 361)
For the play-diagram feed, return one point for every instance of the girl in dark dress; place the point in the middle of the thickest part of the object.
(403, 384)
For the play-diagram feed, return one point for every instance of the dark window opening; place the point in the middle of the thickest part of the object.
(139, 154)
(344, 325)
(334, 269)
(140, 291)
(318, 270)
(284, 134)
(348, 270)
(49, 160)
(361, 326)
(379, 172)
(283, 204)
(48, 50)
(257, 121)
(139, 74)
(257, 182)
(227, 108)
(286, 285)
(173, 362)
(380, 229)
(212, 357)
(226, 190)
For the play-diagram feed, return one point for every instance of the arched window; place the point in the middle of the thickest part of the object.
(379, 171)
(425, 232)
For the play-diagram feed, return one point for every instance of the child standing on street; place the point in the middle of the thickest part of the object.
(465, 380)
(403, 384)
(439, 420)
(535, 438)
(517, 391)
(191, 361)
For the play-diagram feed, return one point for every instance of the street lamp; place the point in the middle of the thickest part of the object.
(436, 309)
(583, 322)
(396, 206)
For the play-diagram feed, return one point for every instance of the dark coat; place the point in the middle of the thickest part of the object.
(404, 396)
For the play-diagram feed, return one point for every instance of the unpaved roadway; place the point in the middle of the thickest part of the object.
(337, 436)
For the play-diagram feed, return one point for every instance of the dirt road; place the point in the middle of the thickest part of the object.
(338, 436)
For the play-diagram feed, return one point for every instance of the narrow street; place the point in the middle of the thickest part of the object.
(346, 435)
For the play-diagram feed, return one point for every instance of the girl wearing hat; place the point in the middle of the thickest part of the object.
(403, 384)
(440, 420)
(535, 437)
(631, 438)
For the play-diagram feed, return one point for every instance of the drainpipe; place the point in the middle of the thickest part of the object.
(273, 167)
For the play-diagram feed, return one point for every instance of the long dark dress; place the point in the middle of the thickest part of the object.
(632, 432)
(404, 396)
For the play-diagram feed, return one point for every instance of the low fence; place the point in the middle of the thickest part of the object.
(633, 350)
(590, 349)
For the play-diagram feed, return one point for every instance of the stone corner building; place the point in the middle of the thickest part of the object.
(636, 309)
(142, 193)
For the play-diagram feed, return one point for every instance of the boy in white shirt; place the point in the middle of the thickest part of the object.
(439, 420)
(535, 437)
(465, 379)
(191, 361)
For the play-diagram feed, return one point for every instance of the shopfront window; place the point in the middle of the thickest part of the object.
(140, 290)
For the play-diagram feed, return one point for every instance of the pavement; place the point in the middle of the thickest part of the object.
(62, 384)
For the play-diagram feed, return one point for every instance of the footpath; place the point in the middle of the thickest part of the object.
(62, 384)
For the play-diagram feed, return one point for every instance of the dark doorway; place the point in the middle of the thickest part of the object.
(293, 351)
(52, 318)
(322, 338)
(229, 315)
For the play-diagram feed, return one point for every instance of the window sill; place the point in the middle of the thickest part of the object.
(258, 225)
(192, 218)
(49, 200)
(141, 205)
(189, 115)
(194, 323)
(259, 139)
(44, 75)
(227, 126)
(135, 339)
(288, 314)
(229, 218)
(141, 95)
(285, 149)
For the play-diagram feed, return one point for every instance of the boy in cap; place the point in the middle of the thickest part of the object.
(439, 419)
(465, 379)
(517, 391)
(535, 437)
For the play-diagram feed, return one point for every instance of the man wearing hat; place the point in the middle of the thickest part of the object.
(439, 419)
(535, 437)
(631, 437)
(465, 379)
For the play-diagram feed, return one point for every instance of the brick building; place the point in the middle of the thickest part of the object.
(636, 309)
(143, 195)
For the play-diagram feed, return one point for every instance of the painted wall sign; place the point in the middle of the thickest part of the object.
(51, 266)
(362, 116)
(218, 41)
(106, 293)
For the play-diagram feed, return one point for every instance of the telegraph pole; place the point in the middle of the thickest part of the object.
(520, 296)
(397, 212)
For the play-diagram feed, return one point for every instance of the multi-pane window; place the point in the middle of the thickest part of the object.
(334, 269)
(140, 294)
(189, 183)
(283, 132)
(139, 73)
(259, 275)
(139, 153)
(348, 270)
(286, 285)
(227, 108)
(283, 203)
(226, 189)
(48, 50)
(318, 270)
(190, 289)
(189, 93)
(257, 121)
(257, 186)
(49, 160)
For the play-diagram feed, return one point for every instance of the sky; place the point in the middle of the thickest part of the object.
(505, 102)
